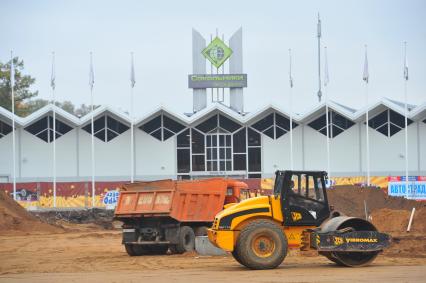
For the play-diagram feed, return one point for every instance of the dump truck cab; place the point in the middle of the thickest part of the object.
(259, 231)
(236, 191)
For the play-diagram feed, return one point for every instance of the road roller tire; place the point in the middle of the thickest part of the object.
(135, 250)
(186, 241)
(349, 259)
(261, 245)
(235, 255)
(355, 259)
(330, 257)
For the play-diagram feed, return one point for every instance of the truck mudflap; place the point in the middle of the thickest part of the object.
(345, 240)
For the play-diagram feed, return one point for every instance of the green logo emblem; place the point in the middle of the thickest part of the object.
(217, 52)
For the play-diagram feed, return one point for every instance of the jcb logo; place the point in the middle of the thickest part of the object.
(296, 216)
(338, 241)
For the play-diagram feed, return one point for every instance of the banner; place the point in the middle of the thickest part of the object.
(376, 181)
(416, 187)
(68, 194)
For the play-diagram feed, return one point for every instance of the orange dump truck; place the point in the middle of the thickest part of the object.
(162, 215)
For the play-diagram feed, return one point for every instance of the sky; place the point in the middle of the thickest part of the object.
(159, 34)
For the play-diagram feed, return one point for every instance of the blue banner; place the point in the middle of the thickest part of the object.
(416, 190)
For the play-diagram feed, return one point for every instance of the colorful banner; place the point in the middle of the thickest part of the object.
(377, 181)
(68, 194)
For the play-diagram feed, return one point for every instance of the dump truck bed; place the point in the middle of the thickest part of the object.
(185, 201)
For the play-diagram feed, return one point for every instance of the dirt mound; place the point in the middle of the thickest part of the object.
(388, 220)
(14, 219)
(350, 200)
(100, 218)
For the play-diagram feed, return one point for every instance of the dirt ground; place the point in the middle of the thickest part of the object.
(83, 246)
(87, 254)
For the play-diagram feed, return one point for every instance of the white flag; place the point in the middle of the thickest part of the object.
(12, 72)
(326, 77)
(365, 75)
(91, 73)
(132, 74)
(405, 63)
(52, 77)
(289, 73)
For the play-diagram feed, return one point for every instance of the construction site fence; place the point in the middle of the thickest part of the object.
(39, 195)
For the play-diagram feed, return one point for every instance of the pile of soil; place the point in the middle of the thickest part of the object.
(101, 218)
(350, 200)
(389, 220)
(14, 219)
(389, 214)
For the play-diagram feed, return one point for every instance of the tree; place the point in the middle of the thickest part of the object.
(22, 90)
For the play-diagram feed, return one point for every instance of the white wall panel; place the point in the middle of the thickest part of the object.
(154, 159)
(276, 153)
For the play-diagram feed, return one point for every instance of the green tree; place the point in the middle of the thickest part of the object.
(22, 90)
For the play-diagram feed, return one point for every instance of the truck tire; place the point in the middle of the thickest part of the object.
(261, 245)
(157, 249)
(135, 250)
(186, 241)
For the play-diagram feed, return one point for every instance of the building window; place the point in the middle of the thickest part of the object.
(43, 129)
(183, 160)
(254, 153)
(218, 121)
(254, 156)
(219, 151)
(274, 125)
(253, 138)
(184, 152)
(388, 122)
(337, 124)
(162, 127)
(424, 121)
(240, 149)
(106, 128)
(198, 162)
(5, 129)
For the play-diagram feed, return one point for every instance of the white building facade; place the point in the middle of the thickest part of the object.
(216, 141)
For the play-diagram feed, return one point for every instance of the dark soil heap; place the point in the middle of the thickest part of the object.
(99, 217)
(14, 219)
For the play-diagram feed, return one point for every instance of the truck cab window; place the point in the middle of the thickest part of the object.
(230, 192)
(244, 195)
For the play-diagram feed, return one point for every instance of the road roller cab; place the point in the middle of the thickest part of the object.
(259, 231)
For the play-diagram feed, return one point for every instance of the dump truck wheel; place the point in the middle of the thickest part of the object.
(261, 245)
(186, 240)
(135, 250)
(158, 249)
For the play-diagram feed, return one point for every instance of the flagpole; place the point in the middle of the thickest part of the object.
(291, 114)
(326, 111)
(52, 83)
(405, 116)
(92, 130)
(366, 78)
(12, 85)
(319, 57)
(132, 161)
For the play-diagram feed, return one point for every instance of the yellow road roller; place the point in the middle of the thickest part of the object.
(259, 231)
